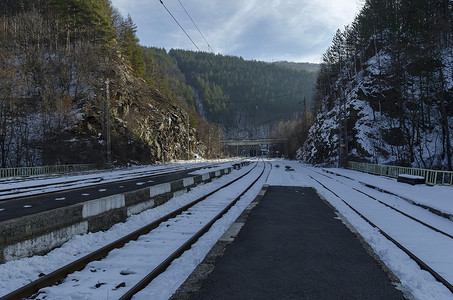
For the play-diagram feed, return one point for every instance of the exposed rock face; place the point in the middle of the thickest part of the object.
(374, 110)
(145, 127)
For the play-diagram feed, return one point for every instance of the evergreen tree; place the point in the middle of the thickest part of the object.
(399, 54)
(130, 47)
(85, 18)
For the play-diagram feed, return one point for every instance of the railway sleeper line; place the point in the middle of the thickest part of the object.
(421, 263)
(58, 276)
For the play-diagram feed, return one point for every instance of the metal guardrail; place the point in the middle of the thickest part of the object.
(432, 177)
(30, 171)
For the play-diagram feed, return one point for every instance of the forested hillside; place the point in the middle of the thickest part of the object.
(385, 89)
(299, 66)
(71, 92)
(76, 87)
(248, 98)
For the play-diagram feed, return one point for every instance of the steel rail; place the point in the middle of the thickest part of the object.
(407, 215)
(391, 207)
(54, 176)
(33, 188)
(77, 265)
(421, 263)
(98, 179)
(93, 179)
(430, 209)
(186, 246)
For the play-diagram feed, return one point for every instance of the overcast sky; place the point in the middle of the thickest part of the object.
(265, 30)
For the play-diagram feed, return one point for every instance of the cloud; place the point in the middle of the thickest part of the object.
(254, 29)
(227, 30)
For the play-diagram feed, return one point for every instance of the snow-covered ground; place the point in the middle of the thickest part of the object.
(437, 197)
(45, 184)
(20, 272)
(433, 248)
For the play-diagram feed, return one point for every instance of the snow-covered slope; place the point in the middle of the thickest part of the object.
(385, 124)
(392, 72)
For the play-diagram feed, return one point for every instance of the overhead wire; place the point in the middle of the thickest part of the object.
(179, 25)
(209, 46)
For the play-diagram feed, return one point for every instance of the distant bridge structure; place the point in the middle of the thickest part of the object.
(255, 147)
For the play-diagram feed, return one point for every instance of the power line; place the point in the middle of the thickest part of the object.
(179, 25)
(209, 46)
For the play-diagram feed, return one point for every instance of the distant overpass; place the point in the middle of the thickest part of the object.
(255, 147)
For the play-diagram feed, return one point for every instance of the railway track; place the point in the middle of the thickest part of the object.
(139, 255)
(399, 205)
(413, 237)
(37, 178)
(425, 207)
(8, 193)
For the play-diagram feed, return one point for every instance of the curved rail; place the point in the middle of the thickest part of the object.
(58, 275)
(164, 265)
(431, 209)
(421, 263)
(394, 208)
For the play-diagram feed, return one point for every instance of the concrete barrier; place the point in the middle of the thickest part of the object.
(39, 233)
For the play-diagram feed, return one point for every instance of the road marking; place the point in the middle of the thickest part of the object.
(59, 199)
(102, 190)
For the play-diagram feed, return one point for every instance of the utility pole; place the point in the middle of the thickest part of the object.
(304, 116)
(345, 132)
(188, 136)
(107, 117)
(219, 152)
(342, 130)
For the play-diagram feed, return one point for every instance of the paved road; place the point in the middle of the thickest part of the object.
(36, 204)
(293, 247)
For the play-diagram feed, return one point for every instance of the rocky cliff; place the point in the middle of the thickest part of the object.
(145, 126)
(385, 88)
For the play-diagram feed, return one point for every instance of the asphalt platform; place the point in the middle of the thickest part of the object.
(29, 205)
(293, 246)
